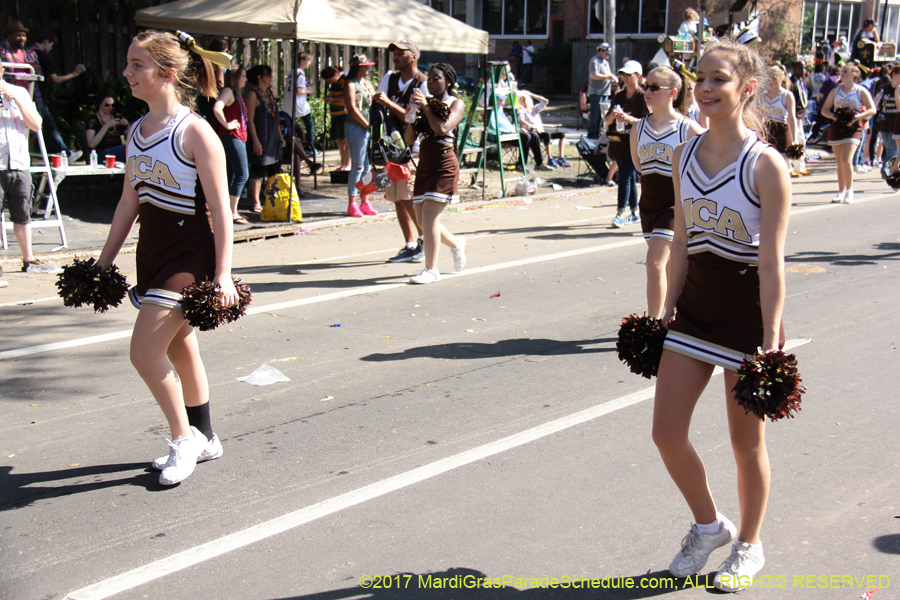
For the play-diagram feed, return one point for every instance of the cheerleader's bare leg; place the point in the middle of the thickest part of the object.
(748, 443)
(428, 214)
(184, 353)
(154, 331)
(657, 263)
(680, 383)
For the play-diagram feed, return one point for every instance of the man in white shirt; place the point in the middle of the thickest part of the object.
(599, 85)
(18, 115)
(527, 63)
(303, 112)
(394, 93)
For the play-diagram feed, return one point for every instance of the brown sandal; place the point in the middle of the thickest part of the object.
(241, 221)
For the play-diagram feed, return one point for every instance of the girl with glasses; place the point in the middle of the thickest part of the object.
(652, 147)
(104, 130)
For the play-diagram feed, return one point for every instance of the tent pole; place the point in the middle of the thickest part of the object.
(293, 125)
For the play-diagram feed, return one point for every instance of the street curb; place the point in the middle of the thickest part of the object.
(263, 233)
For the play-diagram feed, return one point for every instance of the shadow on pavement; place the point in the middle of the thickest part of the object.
(891, 250)
(513, 347)
(18, 490)
(888, 544)
(464, 583)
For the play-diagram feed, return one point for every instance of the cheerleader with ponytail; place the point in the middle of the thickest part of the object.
(779, 117)
(437, 174)
(724, 301)
(658, 134)
(175, 173)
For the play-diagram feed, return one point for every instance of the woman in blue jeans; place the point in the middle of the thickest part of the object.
(628, 108)
(231, 126)
(358, 92)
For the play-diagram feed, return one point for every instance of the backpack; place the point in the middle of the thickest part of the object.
(383, 149)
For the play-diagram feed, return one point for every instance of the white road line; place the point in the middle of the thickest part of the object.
(198, 554)
(369, 289)
(32, 301)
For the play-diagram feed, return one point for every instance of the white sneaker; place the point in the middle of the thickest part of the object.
(839, 199)
(739, 568)
(73, 156)
(212, 451)
(183, 454)
(696, 548)
(459, 254)
(426, 276)
(848, 197)
(419, 256)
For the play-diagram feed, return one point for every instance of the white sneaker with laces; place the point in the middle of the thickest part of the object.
(839, 199)
(739, 568)
(212, 451)
(183, 454)
(696, 548)
(426, 276)
(459, 254)
(848, 197)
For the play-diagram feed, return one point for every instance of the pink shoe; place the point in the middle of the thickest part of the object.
(353, 210)
(367, 209)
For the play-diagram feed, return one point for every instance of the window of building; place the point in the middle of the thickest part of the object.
(889, 24)
(454, 8)
(633, 17)
(515, 17)
(828, 20)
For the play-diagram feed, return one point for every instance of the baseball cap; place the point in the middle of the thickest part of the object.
(404, 45)
(604, 46)
(632, 67)
(360, 59)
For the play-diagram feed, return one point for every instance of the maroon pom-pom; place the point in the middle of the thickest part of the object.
(438, 109)
(769, 385)
(83, 283)
(795, 151)
(203, 309)
(640, 344)
(843, 115)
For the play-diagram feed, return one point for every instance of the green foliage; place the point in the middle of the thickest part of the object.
(555, 62)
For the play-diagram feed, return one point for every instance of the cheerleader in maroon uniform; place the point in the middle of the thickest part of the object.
(437, 174)
(725, 299)
(844, 138)
(175, 173)
(653, 141)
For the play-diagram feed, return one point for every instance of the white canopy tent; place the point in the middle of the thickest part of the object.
(375, 23)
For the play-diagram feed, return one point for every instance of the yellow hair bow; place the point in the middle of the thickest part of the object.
(679, 67)
(223, 59)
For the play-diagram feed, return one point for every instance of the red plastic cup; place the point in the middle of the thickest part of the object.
(56, 160)
(110, 161)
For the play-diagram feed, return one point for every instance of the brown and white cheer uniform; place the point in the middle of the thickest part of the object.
(719, 318)
(657, 203)
(176, 246)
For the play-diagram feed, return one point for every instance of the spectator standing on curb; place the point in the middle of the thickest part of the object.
(887, 108)
(394, 93)
(303, 112)
(516, 58)
(337, 111)
(44, 41)
(263, 133)
(628, 108)
(599, 85)
(527, 64)
(231, 126)
(18, 115)
(358, 92)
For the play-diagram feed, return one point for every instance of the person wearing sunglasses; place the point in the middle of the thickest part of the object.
(652, 146)
(628, 107)
(104, 129)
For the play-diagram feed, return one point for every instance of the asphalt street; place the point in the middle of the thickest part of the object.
(476, 431)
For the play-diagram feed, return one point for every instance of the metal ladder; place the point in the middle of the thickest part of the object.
(490, 76)
(52, 214)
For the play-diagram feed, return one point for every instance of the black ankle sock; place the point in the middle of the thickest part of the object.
(198, 416)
